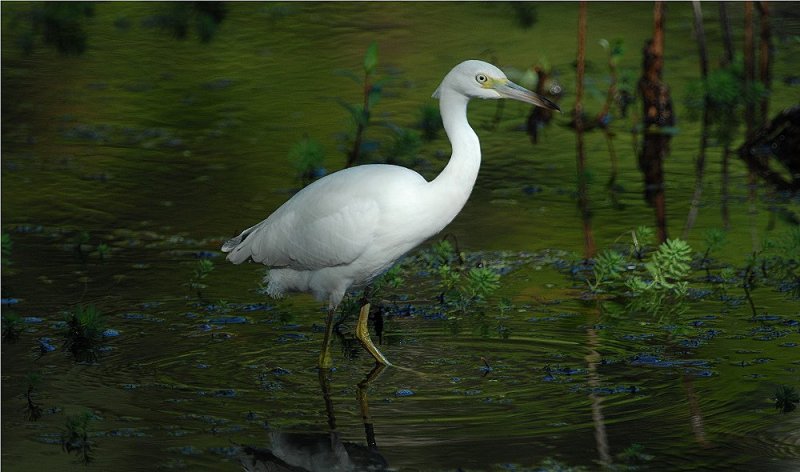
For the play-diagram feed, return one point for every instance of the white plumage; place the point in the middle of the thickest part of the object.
(348, 227)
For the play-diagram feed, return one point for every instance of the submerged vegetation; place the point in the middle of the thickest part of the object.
(660, 281)
(75, 437)
(650, 281)
(307, 157)
(786, 398)
(12, 327)
(360, 114)
(83, 333)
(201, 271)
(32, 409)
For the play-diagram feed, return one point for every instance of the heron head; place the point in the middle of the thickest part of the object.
(478, 79)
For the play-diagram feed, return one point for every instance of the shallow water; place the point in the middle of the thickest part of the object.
(162, 148)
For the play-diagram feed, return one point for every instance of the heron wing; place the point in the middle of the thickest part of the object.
(331, 222)
(308, 237)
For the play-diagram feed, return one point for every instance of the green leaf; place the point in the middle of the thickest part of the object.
(481, 282)
(608, 267)
(371, 58)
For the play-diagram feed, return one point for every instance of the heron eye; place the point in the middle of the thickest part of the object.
(481, 78)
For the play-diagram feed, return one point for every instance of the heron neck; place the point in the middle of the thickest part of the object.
(455, 182)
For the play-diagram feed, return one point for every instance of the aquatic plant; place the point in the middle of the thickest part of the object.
(480, 282)
(457, 284)
(525, 13)
(503, 307)
(404, 147)
(32, 409)
(441, 253)
(608, 268)
(360, 114)
(12, 327)
(430, 121)
(631, 459)
(306, 157)
(668, 269)
(83, 333)
(75, 437)
(643, 238)
(658, 285)
(714, 239)
(201, 270)
(726, 94)
(777, 263)
(391, 279)
(61, 25)
(786, 398)
(177, 18)
(103, 251)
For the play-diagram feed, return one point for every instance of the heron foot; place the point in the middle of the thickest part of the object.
(362, 334)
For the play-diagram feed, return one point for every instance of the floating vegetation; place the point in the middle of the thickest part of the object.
(786, 398)
(12, 327)
(525, 13)
(84, 333)
(103, 251)
(404, 147)
(430, 121)
(307, 156)
(201, 270)
(75, 437)
(361, 113)
(658, 285)
(33, 410)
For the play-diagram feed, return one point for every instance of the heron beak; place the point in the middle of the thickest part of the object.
(508, 89)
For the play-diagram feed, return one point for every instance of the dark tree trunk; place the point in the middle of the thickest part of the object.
(727, 59)
(765, 47)
(765, 60)
(700, 162)
(583, 191)
(727, 42)
(658, 116)
(750, 110)
(749, 68)
(603, 120)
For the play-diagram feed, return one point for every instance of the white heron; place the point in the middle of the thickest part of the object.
(347, 228)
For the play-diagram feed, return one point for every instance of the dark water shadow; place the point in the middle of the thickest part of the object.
(312, 452)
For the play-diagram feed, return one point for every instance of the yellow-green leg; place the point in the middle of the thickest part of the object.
(363, 404)
(325, 359)
(362, 334)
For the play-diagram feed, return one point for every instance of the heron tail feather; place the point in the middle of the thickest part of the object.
(238, 247)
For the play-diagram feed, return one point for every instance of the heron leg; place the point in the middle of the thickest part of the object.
(325, 359)
(363, 403)
(362, 334)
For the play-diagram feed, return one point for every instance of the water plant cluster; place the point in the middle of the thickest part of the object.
(84, 333)
(653, 279)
